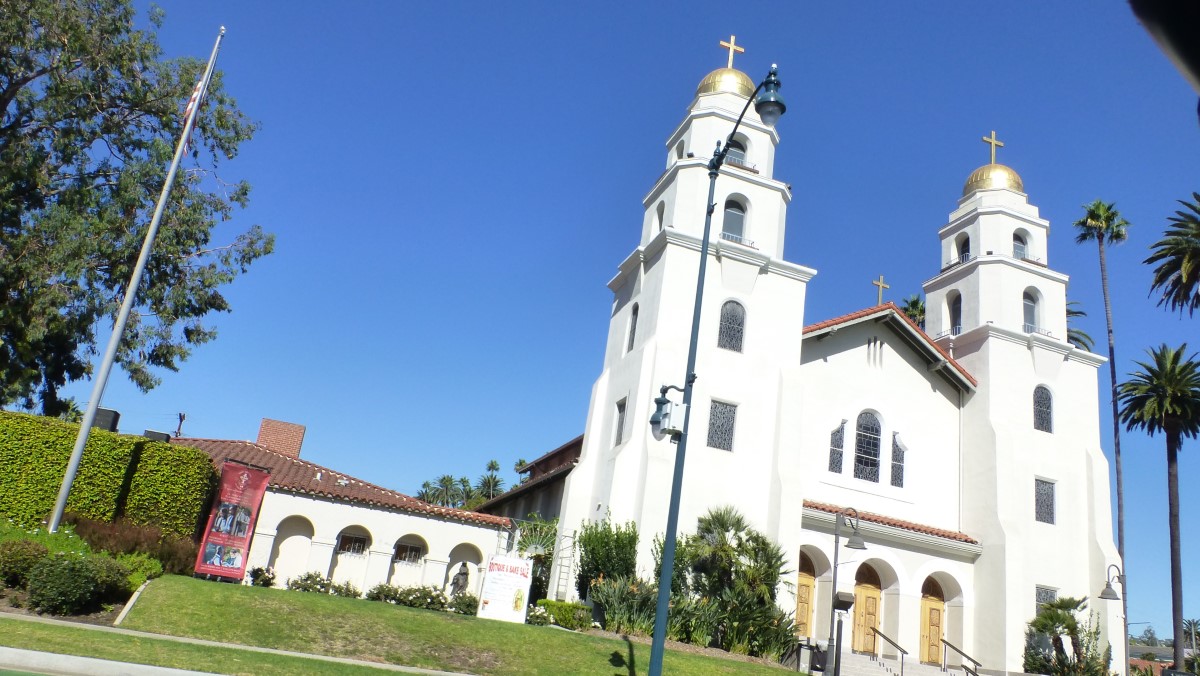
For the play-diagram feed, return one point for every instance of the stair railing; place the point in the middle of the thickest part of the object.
(875, 653)
(948, 646)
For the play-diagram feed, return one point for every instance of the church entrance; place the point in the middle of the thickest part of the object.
(867, 593)
(933, 612)
(806, 583)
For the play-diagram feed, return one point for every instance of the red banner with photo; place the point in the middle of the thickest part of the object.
(227, 536)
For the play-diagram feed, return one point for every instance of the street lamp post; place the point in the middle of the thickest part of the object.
(1110, 594)
(855, 541)
(769, 106)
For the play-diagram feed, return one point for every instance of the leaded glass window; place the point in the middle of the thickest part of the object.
(837, 439)
(633, 316)
(897, 462)
(1043, 409)
(619, 428)
(721, 417)
(733, 326)
(1044, 595)
(1043, 500)
(866, 448)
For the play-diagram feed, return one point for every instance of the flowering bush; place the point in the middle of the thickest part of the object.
(383, 592)
(537, 616)
(346, 589)
(429, 598)
(464, 604)
(262, 577)
(312, 581)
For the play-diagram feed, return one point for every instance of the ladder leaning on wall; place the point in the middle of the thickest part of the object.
(564, 564)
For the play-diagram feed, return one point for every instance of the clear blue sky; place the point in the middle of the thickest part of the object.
(453, 183)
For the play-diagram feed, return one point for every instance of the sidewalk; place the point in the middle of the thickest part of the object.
(53, 663)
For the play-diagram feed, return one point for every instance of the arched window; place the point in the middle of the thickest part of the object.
(866, 447)
(964, 248)
(679, 150)
(661, 211)
(735, 153)
(1019, 250)
(1030, 305)
(1043, 409)
(836, 443)
(733, 326)
(410, 549)
(956, 315)
(633, 317)
(734, 225)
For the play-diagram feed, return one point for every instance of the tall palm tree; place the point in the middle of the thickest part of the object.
(493, 466)
(1103, 224)
(426, 492)
(1164, 396)
(1075, 335)
(466, 492)
(489, 485)
(1190, 628)
(1178, 256)
(445, 491)
(914, 309)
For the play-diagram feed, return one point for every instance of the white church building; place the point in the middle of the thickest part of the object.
(970, 449)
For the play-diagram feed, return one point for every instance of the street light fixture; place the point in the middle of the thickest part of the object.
(1108, 593)
(769, 106)
(855, 541)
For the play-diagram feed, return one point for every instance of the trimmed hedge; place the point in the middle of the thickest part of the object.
(573, 616)
(150, 482)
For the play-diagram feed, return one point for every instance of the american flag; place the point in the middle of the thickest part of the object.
(193, 106)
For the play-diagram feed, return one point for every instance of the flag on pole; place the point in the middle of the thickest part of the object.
(193, 108)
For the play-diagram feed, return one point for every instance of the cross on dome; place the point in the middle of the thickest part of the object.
(732, 46)
(994, 142)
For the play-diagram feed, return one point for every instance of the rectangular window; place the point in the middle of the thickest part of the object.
(836, 439)
(409, 553)
(1043, 500)
(721, 417)
(897, 462)
(352, 544)
(619, 427)
(1044, 595)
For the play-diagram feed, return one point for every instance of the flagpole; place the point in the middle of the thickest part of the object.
(131, 292)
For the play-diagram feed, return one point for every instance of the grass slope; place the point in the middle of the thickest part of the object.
(379, 632)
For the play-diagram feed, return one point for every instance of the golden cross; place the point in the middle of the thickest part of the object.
(733, 47)
(994, 143)
(881, 286)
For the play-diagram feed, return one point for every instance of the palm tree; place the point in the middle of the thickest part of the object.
(914, 309)
(426, 492)
(1102, 223)
(489, 485)
(1164, 396)
(493, 466)
(445, 491)
(718, 541)
(1057, 619)
(1190, 628)
(466, 492)
(1178, 256)
(1075, 335)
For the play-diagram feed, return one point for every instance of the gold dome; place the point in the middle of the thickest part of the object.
(729, 80)
(992, 176)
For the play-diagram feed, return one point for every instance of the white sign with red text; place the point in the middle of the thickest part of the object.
(506, 588)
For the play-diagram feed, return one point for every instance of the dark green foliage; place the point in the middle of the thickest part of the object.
(142, 568)
(464, 604)
(63, 585)
(573, 616)
(312, 581)
(17, 558)
(112, 579)
(262, 577)
(147, 482)
(89, 117)
(177, 555)
(605, 550)
(1045, 649)
(344, 589)
(628, 604)
(382, 592)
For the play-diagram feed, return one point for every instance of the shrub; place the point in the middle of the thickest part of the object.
(628, 604)
(63, 585)
(312, 581)
(537, 616)
(605, 550)
(177, 555)
(17, 558)
(383, 592)
(120, 475)
(344, 589)
(573, 616)
(429, 598)
(465, 604)
(142, 567)
(112, 579)
(262, 577)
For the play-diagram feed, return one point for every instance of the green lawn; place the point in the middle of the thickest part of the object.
(379, 632)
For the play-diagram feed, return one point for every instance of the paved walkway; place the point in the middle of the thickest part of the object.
(52, 663)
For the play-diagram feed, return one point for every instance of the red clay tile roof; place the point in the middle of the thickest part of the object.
(301, 476)
(895, 523)
(886, 308)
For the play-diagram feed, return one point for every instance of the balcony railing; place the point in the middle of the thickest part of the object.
(740, 163)
(1033, 328)
(730, 237)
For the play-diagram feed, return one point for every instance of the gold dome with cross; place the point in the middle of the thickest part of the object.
(728, 79)
(993, 176)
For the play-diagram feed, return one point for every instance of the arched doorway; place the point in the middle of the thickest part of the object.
(933, 614)
(867, 594)
(289, 553)
(806, 584)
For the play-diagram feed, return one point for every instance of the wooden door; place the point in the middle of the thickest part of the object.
(805, 584)
(866, 616)
(933, 613)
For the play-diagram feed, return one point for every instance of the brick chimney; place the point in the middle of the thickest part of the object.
(281, 437)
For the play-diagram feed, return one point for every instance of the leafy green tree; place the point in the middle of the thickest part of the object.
(1075, 335)
(606, 550)
(914, 309)
(1103, 224)
(90, 112)
(1164, 396)
(1177, 254)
